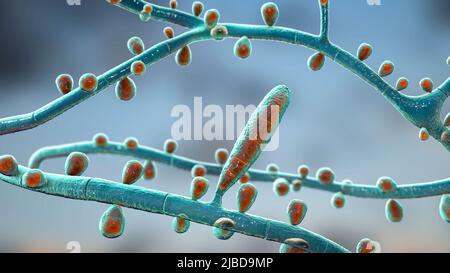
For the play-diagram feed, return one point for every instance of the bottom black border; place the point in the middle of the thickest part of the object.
(235, 262)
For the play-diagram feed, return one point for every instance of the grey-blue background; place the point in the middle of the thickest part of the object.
(334, 120)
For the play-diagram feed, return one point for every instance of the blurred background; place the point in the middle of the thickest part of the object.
(335, 119)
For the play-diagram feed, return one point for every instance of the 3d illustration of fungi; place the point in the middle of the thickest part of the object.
(233, 173)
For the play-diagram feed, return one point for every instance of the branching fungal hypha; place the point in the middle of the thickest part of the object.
(232, 167)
